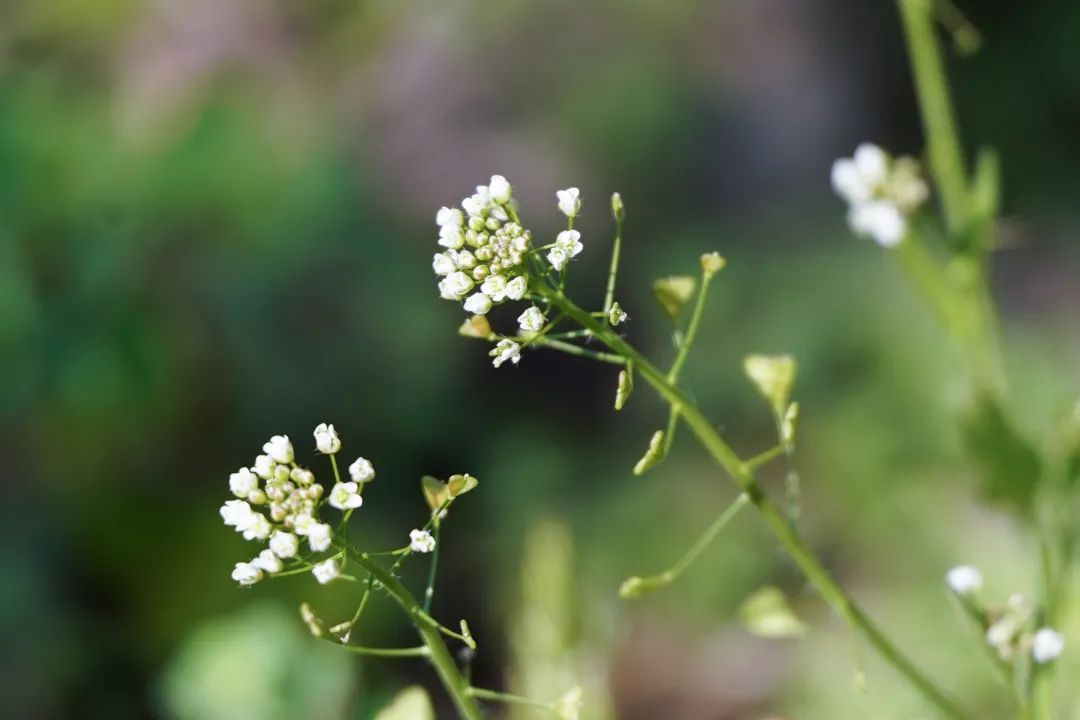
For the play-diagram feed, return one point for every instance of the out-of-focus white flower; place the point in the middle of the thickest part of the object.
(879, 220)
(964, 579)
(264, 466)
(558, 258)
(326, 439)
(258, 527)
(506, 349)
(857, 179)
(499, 189)
(302, 477)
(246, 574)
(443, 263)
(569, 201)
(516, 288)
(451, 237)
(280, 449)
(532, 320)
(344, 496)
(568, 707)
(455, 286)
(1001, 635)
(449, 217)
(361, 470)
(1047, 644)
(268, 562)
(570, 241)
(284, 544)
(326, 571)
(243, 482)
(303, 522)
(616, 315)
(421, 541)
(318, 537)
(478, 304)
(236, 513)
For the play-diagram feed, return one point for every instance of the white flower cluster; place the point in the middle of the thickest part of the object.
(881, 193)
(1006, 632)
(421, 541)
(277, 502)
(485, 250)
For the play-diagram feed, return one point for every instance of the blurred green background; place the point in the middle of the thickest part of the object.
(216, 224)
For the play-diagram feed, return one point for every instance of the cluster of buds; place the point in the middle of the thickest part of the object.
(485, 250)
(881, 193)
(488, 259)
(1008, 628)
(277, 501)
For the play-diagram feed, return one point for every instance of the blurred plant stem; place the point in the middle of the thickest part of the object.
(430, 633)
(961, 296)
(774, 518)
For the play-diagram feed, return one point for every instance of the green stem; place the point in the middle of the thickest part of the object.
(708, 536)
(609, 295)
(939, 124)
(580, 351)
(508, 699)
(418, 651)
(457, 686)
(774, 518)
(429, 592)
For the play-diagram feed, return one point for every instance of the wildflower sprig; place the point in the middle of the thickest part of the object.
(280, 505)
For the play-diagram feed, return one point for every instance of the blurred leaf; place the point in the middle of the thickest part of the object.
(436, 492)
(1008, 466)
(411, 703)
(460, 484)
(673, 293)
(767, 613)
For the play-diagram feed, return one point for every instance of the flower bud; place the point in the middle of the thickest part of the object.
(712, 263)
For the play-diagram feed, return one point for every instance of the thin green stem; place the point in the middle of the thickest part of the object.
(939, 123)
(773, 517)
(457, 686)
(429, 591)
(691, 330)
(580, 351)
(616, 248)
(418, 651)
(763, 459)
(508, 699)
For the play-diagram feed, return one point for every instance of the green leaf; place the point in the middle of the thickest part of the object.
(461, 484)
(1009, 467)
(412, 703)
(673, 293)
(767, 613)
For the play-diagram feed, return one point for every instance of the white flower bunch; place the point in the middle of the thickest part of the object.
(1007, 629)
(277, 501)
(881, 192)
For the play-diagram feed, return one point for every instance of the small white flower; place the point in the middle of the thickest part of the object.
(558, 258)
(243, 482)
(964, 579)
(361, 470)
(246, 574)
(880, 220)
(569, 201)
(302, 477)
(1000, 635)
(449, 217)
(466, 260)
(268, 562)
(303, 522)
(494, 286)
(257, 528)
(344, 496)
(280, 449)
(570, 241)
(236, 513)
(284, 544)
(532, 320)
(264, 466)
(455, 286)
(478, 304)
(506, 349)
(326, 439)
(616, 315)
(516, 288)
(318, 537)
(326, 571)
(500, 189)
(1047, 645)
(443, 264)
(451, 237)
(421, 541)
(872, 163)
